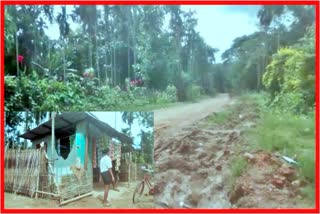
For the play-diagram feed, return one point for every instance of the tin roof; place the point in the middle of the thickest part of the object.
(66, 121)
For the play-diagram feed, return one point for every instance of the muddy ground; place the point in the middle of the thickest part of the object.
(194, 161)
(118, 199)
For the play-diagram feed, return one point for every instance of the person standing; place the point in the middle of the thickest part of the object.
(107, 175)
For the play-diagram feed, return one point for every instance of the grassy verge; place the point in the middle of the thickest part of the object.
(238, 167)
(285, 133)
(290, 135)
(219, 118)
(150, 107)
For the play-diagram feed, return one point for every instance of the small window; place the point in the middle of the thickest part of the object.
(64, 145)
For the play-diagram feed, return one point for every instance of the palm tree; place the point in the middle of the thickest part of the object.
(64, 31)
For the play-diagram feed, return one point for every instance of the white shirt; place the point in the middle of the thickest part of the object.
(105, 163)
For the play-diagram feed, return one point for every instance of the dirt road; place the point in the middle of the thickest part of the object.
(170, 121)
(182, 159)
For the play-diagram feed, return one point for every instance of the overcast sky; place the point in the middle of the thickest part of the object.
(218, 25)
(114, 119)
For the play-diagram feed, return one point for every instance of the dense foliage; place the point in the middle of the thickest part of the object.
(290, 76)
(50, 95)
(111, 44)
(280, 58)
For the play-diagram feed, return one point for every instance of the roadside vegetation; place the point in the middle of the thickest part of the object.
(288, 135)
(278, 132)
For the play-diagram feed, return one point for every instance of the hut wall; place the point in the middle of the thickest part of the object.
(76, 181)
(69, 175)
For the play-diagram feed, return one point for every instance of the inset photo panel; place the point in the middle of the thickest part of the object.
(79, 160)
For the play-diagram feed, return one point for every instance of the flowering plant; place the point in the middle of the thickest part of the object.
(138, 82)
(20, 58)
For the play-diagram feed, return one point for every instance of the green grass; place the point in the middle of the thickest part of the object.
(254, 101)
(290, 135)
(238, 166)
(308, 192)
(151, 107)
(220, 117)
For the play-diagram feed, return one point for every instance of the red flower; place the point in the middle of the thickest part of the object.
(20, 58)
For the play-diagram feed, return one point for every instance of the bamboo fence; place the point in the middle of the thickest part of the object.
(24, 170)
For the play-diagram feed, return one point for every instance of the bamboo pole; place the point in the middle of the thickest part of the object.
(76, 198)
(17, 53)
(52, 133)
(47, 193)
(129, 171)
(38, 177)
(87, 146)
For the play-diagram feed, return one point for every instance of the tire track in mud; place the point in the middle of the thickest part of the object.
(189, 160)
(194, 164)
(195, 168)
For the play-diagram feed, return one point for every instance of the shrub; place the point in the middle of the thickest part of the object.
(193, 92)
(171, 92)
(289, 102)
(50, 95)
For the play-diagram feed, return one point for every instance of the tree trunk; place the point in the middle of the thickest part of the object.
(90, 52)
(64, 60)
(115, 67)
(134, 39)
(128, 39)
(17, 54)
(258, 77)
(97, 55)
(106, 62)
(128, 64)
(112, 67)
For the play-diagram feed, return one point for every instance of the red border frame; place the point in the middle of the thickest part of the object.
(167, 2)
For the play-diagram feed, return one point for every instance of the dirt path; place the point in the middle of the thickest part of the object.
(185, 168)
(119, 199)
(170, 121)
